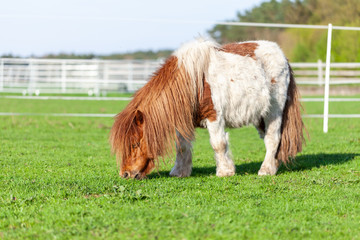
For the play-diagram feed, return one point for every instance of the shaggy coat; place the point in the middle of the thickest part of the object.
(207, 85)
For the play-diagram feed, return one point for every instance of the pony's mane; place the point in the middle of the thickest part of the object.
(168, 103)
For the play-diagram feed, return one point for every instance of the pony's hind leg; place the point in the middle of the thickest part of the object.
(272, 136)
(219, 141)
(183, 163)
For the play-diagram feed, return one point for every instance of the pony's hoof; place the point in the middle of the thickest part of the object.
(180, 174)
(225, 172)
(266, 171)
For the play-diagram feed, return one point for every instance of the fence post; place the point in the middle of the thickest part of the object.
(327, 79)
(31, 86)
(130, 77)
(320, 73)
(63, 76)
(146, 73)
(98, 81)
(105, 77)
(1, 75)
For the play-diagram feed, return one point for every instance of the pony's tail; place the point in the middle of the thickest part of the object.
(292, 125)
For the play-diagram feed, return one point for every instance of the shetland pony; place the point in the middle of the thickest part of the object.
(207, 85)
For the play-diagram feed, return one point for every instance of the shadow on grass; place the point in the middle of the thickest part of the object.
(303, 162)
(306, 162)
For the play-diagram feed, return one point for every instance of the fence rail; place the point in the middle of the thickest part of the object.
(97, 77)
(34, 76)
(313, 73)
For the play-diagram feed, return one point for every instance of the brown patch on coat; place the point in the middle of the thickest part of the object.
(243, 49)
(206, 106)
(232, 80)
(292, 125)
(273, 81)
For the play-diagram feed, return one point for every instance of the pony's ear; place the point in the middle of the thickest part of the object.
(139, 118)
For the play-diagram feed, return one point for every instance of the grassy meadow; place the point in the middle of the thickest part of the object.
(58, 180)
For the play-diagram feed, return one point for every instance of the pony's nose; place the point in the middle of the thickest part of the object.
(126, 174)
(133, 174)
(137, 176)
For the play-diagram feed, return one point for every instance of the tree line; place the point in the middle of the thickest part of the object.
(300, 45)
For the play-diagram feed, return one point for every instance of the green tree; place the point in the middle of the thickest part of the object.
(268, 12)
(300, 44)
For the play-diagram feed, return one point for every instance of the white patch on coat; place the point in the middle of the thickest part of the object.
(242, 94)
(195, 56)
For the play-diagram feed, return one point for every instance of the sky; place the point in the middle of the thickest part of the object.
(40, 27)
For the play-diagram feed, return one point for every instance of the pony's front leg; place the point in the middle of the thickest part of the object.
(219, 141)
(183, 163)
(270, 164)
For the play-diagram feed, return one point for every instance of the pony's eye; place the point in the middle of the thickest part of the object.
(135, 145)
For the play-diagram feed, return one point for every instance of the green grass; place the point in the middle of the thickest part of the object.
(60, 106)
(58, 180)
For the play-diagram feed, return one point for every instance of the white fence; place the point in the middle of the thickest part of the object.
(98, 77)
(38, 76)
(314, 74)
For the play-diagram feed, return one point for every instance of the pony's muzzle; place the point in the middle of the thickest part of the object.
(135, 175)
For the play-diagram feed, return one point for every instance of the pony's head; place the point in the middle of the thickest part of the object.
(147, 128)
(127, 137)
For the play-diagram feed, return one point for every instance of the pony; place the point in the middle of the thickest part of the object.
(204, 84)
